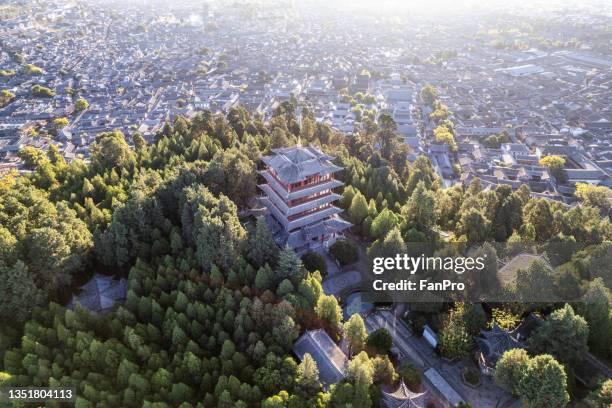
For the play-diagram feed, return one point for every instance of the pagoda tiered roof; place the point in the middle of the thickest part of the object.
(299, 198)
(300, 222)
(293, 164)
(326, 226)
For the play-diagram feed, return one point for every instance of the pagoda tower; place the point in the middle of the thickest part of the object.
(299, 197)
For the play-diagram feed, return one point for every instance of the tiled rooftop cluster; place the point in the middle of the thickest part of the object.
(138, 67)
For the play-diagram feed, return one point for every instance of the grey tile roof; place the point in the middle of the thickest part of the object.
(404, 398)
(330, 359)
(443, 387)
(293, 164)
(100, 293)
(496, 342)
(328, 226)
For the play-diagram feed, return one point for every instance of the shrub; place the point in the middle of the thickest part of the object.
(471, 377)
(314, 262)
(411, 376)
(417, 322)
(6, 97)
(380, 341)
(504, 319)
(81, 104)
(345, 252)
(42, 91)
(5, 73)
(4, 378)
(33, 70)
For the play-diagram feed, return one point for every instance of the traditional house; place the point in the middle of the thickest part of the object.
(331, 360)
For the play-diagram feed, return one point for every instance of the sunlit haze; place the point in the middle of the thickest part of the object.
(306, 203)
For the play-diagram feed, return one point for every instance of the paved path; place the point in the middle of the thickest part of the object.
(416, 350)
(400, 336)
(335, 285)
(332, 266)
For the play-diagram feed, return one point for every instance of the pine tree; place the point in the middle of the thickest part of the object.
(329, 310)
(18, 292)
(420, 210)
(262, 247)
(289, 264)
(308, 375)
(284, 288)
(455, 341)
(564, 335)
(355, 332)
(347, 197)
(543, 384)
(474, 225)
(510, 368)
(286, 332)
(392, 245)
(360, 369)
(384, 372)
(358, 209)
(383, 224)
(595, 309)
(264, 279)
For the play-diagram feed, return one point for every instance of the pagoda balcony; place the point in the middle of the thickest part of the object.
(315, 188)
(299, 221)
(311, 218)
(306, 205)
(303, 191)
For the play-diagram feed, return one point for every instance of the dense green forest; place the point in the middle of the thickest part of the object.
(213, 306)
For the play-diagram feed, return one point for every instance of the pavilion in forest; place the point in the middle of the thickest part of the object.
(100, 294)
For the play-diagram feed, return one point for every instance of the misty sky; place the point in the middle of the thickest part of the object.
(442, 7)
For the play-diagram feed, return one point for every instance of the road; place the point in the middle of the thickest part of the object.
(400, 334)
(415, 350)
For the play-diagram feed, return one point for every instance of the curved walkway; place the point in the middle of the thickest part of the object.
(338, 284)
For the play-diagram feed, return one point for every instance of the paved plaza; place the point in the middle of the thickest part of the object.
(341, 282)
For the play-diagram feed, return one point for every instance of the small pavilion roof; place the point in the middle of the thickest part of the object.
(404, 398)
(101, 293)
(495, 342)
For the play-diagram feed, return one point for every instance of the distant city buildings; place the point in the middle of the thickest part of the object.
(140, 70)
